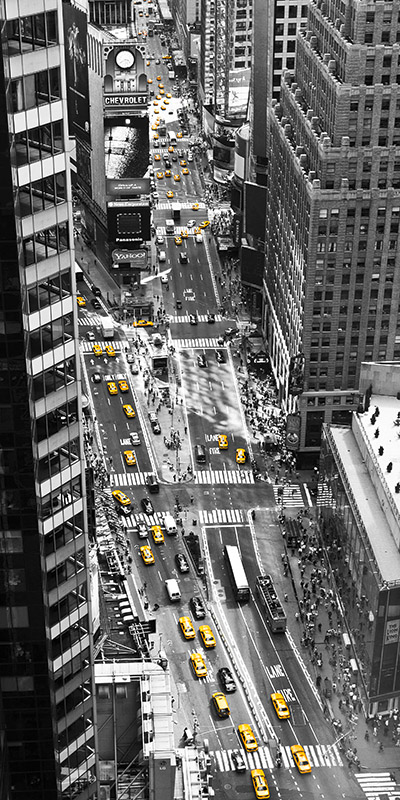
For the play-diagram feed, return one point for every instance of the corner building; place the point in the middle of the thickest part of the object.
(332, 279)
(46, 680)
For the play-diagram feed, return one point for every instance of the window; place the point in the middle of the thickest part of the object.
(42, 194)
(35, 90)
(292, 29)
(32, 33)
(293, 11)
(279, 29)
(37, 143)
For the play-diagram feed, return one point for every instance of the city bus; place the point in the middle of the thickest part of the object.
(237, 574)
(79, 276)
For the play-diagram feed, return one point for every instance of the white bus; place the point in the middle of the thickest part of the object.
(237, 574)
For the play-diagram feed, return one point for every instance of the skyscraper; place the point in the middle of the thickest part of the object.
(333, 279)
(46, 673)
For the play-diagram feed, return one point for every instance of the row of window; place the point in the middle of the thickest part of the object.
(291, 11)
(60, 498)
(62, 534)
(35, 90)
(34, 32)
(50, 336)
(379, 244)
(56, 420)
(53, 463)
(382, 211)
(45, 244)
(54, 378)
(39, 143)
(42, 194)
(49, 291)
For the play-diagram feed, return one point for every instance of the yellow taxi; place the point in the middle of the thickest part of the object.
(179, 135)
(97, 350)
(157, 534)
(184, 233)
(157, 157)
(149, 80)
(207, 636)
(142, 323)
(170, 194)
(129, 411)
(198, 665)
(185, 171)
(154, 126)
(166, 102)
(169, 95)
(204, 224)
(280, 705)
(247, 736)
(156, 136)
(222, 441)
(81, 301)
(240, 455)
(156, 111)
(160, 175)
(161, 91)
(163, 108)
(260, 784)
(177, 177)
(147, 65)
(195, 207)
(300, 759)
(183, 162)
(124, 386)
(155, 103)
(196, 231)
(165, 58)
(121, 497)
(160, 85)
(112, 387)
(158, 97)
(147, 554)
(110, 350)
(158, 78)
(130, 458)
(171, 147)
(167, 173)
(187, 627)
(178, 240)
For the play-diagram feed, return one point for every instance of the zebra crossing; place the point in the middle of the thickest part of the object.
(224, 476)
(163, 206)
(89, 318)
(200, 318)
(87, 347)
(222, 516)
(128, 478)
(184, 344)
(318, 755)
(290, 495)
(374, 784)
(140, 518)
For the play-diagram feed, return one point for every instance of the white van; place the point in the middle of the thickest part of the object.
(172, 587)
(162, 256)
(199, 238)
(170, 525)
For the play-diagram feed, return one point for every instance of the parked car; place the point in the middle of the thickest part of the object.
(182, 562)
(197, 606)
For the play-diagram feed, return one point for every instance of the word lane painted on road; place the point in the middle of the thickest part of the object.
(276, 671)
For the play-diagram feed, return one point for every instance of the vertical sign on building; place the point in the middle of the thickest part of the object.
(76, 67)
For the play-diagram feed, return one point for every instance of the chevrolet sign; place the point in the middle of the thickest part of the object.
(125, 100)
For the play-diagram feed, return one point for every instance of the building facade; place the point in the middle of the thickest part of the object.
(46, 642)
(332, 278)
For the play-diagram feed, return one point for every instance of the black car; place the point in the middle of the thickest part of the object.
(96, 377)
(96, 291)
(96, 303)
(182, 562)
(147, 505)
(220, 356)
(156, 427)
(193, 319)
(183, 258)
(202, 361)
(211, 318)
(174, 157)
(152, 484)
(179, 304)
(197, 606)
(238, 761)
(226, 678)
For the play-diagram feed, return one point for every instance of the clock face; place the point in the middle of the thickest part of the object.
(124, 59)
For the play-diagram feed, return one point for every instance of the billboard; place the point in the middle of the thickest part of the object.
(128, 222)
(126, 147)
(239, 83)
(292, 439)
(126, 187)
(75, 38)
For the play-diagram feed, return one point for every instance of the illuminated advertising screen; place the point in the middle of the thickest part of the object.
(128, 222)
(75, 38)
(126, 147)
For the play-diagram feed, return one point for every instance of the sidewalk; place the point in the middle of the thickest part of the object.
(315, 622)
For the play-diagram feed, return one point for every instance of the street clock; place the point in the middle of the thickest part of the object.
(124, 59)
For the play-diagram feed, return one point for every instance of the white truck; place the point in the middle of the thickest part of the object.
(107, 327)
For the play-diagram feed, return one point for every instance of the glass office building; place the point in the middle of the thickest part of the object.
(46, 642)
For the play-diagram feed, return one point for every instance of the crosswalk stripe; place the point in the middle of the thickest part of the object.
(374, 783)
(87, 347)
(90, 319)
(224, 476)
(128, 478)
(318, 756)
(221, 516)
(184, 344)
(338, 757)
(185, 318)
(291, 495)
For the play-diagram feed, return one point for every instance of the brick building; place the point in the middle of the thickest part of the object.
(332, 280)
